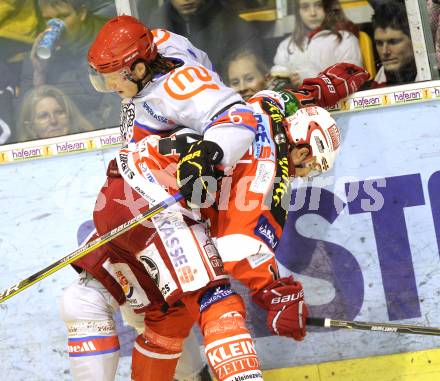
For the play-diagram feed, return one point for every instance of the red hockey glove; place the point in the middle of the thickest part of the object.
(197, 162)
(286, 310)
(335, 83)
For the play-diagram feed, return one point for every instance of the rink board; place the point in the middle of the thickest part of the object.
(375, 265)
(414, 366)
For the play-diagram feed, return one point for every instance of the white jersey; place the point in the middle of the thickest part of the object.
(193, 96)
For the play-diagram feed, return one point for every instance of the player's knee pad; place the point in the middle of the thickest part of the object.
(229, 347)
(87, 312)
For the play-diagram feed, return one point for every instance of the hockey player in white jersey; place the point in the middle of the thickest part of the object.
(163, 82)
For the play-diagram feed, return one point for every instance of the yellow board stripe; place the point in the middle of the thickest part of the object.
(412, 366)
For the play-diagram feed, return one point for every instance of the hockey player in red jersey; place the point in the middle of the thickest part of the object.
(168, 88)
(172, 260)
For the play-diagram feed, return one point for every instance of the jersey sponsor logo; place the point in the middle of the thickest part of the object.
(126, 287)
(159, 118)
(234, 358)
(157, 269)
(266, 232)
(214, 295)
(228, 351)
(124, 276)
(92, 345)
(127, 121)
(263, 179)
(153, 272)
(123, 159)
(86, 346)
(262, 142)
(214, 258)
(151, 267)
(175, 250)
(188, 81)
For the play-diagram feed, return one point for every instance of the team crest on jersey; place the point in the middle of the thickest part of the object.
(127, 121)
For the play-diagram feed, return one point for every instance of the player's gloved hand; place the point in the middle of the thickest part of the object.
(335, 83)
(195, 164)
(286, 309)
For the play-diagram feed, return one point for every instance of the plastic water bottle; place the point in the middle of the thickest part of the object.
(50, 37)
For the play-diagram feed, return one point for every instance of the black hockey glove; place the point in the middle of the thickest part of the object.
(195, 170)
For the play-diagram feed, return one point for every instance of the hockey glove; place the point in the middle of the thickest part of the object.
(196, 163)
(286, 310)
(335, 83)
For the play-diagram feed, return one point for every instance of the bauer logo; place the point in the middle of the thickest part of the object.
(266, 232)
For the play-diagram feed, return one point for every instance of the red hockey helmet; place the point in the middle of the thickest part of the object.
(121, 41)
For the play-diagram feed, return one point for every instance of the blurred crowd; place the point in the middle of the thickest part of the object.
(47, 93)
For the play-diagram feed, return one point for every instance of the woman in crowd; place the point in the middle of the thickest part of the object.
(247, 73)
(47, 112)
(322, 36)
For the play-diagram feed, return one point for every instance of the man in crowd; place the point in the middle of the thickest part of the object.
(393, 44)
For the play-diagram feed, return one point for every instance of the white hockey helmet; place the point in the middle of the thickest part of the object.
(315, 128)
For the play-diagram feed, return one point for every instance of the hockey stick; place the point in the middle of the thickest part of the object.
(89, 247)
(366, 326)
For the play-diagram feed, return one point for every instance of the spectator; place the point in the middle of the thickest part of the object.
(393, 44)
(46, 112)
(7, 94)
(67, 67)
(210, 25)
(18, 28)
(246, 73)
(322, 36)
(434, 16)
